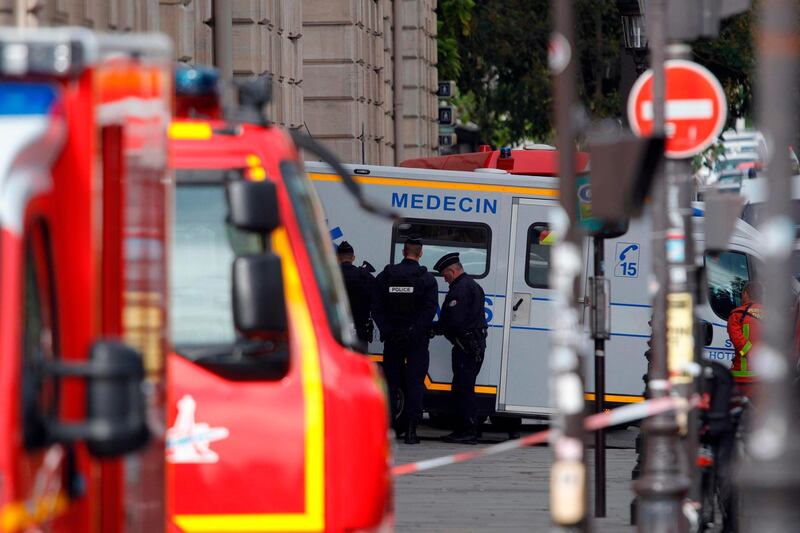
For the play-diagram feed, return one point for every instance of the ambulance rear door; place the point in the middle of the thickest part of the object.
(529, 306)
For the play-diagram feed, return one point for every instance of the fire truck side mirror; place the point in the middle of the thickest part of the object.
(115, 405)
(253, 205)
(259, 308)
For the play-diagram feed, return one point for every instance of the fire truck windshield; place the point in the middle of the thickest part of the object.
(203, 249)
(320, 250)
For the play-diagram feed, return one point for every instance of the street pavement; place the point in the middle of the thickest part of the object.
(506, 492)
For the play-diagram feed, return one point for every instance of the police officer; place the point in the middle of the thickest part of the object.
(404, 305)
(463, 322)
(358, 281)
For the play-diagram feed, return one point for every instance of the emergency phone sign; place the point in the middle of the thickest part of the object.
(626, 260)
(695, 108)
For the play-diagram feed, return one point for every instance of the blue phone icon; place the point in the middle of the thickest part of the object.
(630, 248)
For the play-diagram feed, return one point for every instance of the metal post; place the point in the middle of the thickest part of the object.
(770, 478)
(568, 473)
(662, 487)
(599, 383)
(20, 13)
(682, 356)
(397, 79)
(223, 39)
(363, 140)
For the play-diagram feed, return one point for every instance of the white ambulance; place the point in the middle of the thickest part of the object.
(499, 223)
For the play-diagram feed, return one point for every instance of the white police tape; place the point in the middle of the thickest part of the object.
(614, 417)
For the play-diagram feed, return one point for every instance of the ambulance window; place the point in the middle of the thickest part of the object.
(308, 211)
(439, 237)
(727, 274)
(537, 264)
(39, 393)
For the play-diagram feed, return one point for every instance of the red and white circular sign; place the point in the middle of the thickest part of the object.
(694, 112)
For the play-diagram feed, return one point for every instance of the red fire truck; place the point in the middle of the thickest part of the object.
(83, 212)
(276, 424)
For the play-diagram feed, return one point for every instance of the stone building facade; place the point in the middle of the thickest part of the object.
(331, 60)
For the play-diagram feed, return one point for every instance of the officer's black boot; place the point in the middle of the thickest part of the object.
(457, 432)
(468, 436)
(411, 434)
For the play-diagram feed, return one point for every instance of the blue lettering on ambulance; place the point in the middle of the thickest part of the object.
(433, 202)
(487, 311)
(719, 355)
(399, 200)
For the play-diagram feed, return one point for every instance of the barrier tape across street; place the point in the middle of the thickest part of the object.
(621, 415)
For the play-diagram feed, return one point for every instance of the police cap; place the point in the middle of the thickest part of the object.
(446, 261)
(344, 248)
(414, 240)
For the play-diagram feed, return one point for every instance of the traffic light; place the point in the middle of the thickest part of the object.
(446, 140)
(445, 115)
(447, 89)
(447, 134)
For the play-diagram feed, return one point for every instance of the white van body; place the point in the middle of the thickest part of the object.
(501, 213)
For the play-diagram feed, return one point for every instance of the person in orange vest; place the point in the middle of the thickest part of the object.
(744, 328)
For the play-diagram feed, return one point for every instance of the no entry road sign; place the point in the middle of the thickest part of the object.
(694, 112)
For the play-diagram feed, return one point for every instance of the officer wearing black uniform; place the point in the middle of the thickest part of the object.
(463, 322)
(404, 305)
(358, 281)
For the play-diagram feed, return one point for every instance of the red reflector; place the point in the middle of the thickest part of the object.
(704, 461)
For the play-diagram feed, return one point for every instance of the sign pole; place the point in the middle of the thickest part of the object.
(662, 487)
(568, 495)
(682, 294)
(599, 332)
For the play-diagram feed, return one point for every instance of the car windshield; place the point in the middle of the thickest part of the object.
(730, 164)
(204, 246)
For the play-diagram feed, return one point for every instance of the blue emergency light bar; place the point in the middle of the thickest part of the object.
(26, 98)
(196, 81)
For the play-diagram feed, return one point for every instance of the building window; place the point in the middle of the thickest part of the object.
(537, 267)
(727, 275)
(471, 240)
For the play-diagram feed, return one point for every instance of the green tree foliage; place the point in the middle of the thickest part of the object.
(496, 50)
(453, 24)
(500, 63)
(731, 57)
